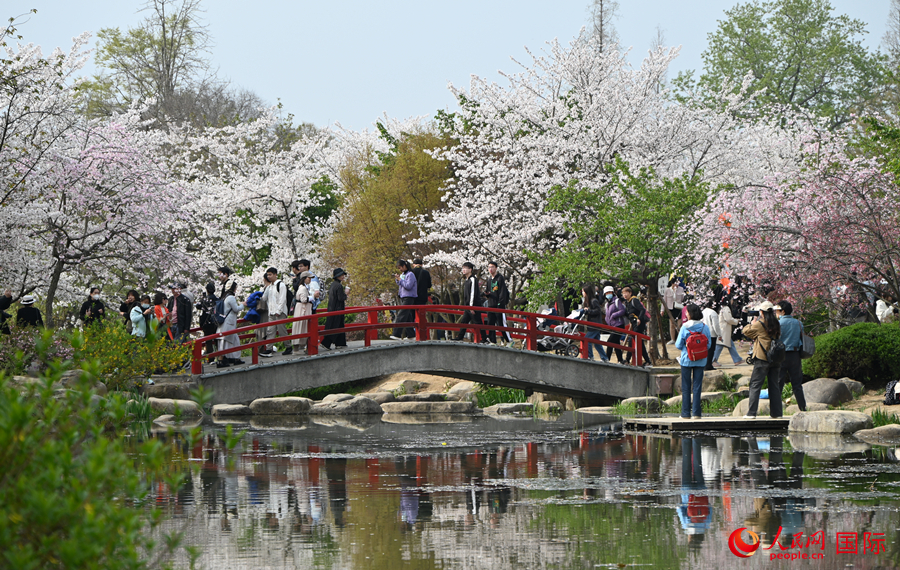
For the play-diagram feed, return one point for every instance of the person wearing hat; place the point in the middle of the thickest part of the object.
(792, 337)
(182, 313)
(337, 301)
(303, 303)
(28, 314)
(762, 331)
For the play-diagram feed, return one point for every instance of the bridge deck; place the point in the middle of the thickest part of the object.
(488, 364)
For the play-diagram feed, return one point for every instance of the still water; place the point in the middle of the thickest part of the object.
(530, 493)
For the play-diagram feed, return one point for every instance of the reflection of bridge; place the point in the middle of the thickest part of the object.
(525, 369)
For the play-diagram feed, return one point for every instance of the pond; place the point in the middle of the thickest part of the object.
(531, 493)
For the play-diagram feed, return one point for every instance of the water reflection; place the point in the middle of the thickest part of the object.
(490, 494)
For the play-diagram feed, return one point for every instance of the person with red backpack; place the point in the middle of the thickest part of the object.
(694, 341)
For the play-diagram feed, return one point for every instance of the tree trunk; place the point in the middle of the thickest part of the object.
(51, 290)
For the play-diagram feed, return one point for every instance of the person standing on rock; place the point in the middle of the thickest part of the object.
(762, 331)
(792, 337)
(337, 301)
(692, 370)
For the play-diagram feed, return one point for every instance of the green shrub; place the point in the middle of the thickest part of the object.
(68, 483)
(867, 352)
(883, 418)
(487, 395)
(124, 358)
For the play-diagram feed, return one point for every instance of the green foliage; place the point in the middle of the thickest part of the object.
(632, 229)
(487, 395)
(729, 381)
(867, 352)
(20, 349)
(787, 391)
(125, 359)
(881, 139)
(68, 483)
(800, 54)
(882, 418)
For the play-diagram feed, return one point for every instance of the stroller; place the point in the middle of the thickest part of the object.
(562, 345)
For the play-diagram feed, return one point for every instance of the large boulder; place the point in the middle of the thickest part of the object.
(423, 397)
(345, 407)
(428, 407)
(187, 408)
(400, 387)
(713, 381)
(166, 391)
(704, 397)
(280, 406)
(647, 403)
(741, 409)
(830, 421)
(337, 398)
(884, 435)
(230, 410)
(380, 397)
(462, 391)
(506, 409)
(855, 387)
(743, 382)
(814, 407)
(827, 391)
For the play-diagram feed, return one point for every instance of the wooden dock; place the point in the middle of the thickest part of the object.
(713, 423)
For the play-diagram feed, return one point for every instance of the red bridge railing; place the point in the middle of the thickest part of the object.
(528, 331)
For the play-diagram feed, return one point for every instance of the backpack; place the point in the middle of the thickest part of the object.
(642, 317)
(697, 346)
(220, 315)
(890, 394)
(776, 352)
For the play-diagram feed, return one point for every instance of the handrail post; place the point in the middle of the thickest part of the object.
(254, 355)
(421, 325)
(197, 358)
(585, 348)
(312, 344)
(372, 334)
(638, 353)
(531, 337)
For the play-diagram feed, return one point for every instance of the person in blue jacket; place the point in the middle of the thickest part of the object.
(692, 370)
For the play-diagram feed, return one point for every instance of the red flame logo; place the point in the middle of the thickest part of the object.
(740, 548)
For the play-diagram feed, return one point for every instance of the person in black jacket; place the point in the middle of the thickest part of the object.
(28, 314)
(207, 308)
(497, 296)
(594, 313)
(5, 302)
(637, 321)
(182, 313)
(92, 310)
(337, 301)
(423, 282)
(471, 297)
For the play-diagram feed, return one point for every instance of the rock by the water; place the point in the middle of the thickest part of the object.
(165, 419)
(741, 409)
(462, 391)
(380, 397)
(855, 387)
(401, 387)
(354, 405)
(704, 397)
(553, 406)
(358, 422)
(827, 391)
(336, 398)
(428, 407)
(501, 409)
(423, 397)
(830, 421)
(743, 382)
(187, 408)
(166, 391)
(884, 435)
(649, 403)
(813, 407)
(230, 410)
(713, 381)
(743, 393)
(280, 406)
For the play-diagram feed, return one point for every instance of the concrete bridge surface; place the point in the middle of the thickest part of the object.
(499, 366)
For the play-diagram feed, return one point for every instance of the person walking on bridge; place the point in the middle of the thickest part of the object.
(337, 301)
(497, 296)
(409, 292)
(470, 298)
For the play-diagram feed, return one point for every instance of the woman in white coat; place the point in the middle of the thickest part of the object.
(302, 308)
(727, 322)
(232, 309)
